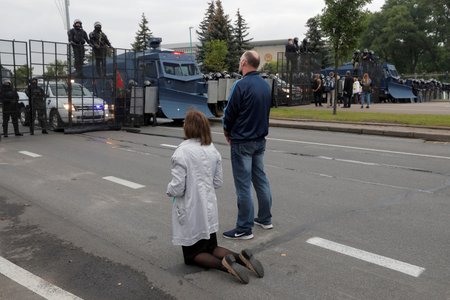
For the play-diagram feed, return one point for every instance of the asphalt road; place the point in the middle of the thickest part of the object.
(355, 217)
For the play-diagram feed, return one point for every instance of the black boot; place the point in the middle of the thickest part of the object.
(16, 130)
(5, 131)
(44, 131)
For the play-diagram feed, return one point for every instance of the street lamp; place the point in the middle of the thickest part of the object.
(190, 38)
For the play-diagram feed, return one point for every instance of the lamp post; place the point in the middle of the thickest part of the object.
(190, 38)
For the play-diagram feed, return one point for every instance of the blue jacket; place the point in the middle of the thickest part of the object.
(246, 116)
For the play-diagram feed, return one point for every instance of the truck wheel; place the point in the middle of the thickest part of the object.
(55, 122)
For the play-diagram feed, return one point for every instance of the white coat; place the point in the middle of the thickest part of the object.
(196, 173)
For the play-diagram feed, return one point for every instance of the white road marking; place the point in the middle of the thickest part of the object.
(30, 154)
(34, 283)
(124, 182)
(361, 148)
(383, 261)
(169, 146)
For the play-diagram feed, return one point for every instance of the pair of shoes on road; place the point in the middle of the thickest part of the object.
(238, 271)
(367, 106)
(44, 131)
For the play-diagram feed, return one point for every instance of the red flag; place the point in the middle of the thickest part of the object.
(120, 87)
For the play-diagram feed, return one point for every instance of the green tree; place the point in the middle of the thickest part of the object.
(316, 41)
(143, 35)
(203, 32)
(341, 22)
(241, 42)
(56, 70)
(412, 34)
(215, 55)
(220, 29)
(22, 75)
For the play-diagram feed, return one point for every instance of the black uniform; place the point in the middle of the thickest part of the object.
(77, 38)
(99, 41)
(291, 57)
(10, 100)
(37, 105)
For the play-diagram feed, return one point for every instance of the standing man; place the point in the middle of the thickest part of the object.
(99, 42)
(77, 38)
(245, 126)
(291, 56)
(36, 96)
(10, 99)
(348, 89)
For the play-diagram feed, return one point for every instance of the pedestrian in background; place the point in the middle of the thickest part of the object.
(196, 173)
(9, 99)
(36, 96)
(317, 90)
(348, 89)
(330, 84)
(366, 90)
(357, 90)
(245, 126)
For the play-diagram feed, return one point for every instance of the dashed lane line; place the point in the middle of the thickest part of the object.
(124, 182)
(383, 261)
(169, 146)
(34, 283)
(30, 154)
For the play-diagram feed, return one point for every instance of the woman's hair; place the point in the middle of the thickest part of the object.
(196, 126)
(366, 77)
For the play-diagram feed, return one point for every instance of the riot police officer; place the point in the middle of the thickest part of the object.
(77, 38)
(36, 96)
(99, 41)
(10, 100)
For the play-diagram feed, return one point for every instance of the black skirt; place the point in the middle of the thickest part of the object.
(202, 246)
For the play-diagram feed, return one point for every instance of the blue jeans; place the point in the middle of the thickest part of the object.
(247, 161)
(366, 98)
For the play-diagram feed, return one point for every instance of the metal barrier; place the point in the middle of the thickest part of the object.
(293, 85)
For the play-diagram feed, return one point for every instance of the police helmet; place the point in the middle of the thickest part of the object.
(7, 81)
(77, 21)
(97, 24)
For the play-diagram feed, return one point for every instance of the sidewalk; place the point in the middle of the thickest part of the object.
(441, 134)
(393, 130)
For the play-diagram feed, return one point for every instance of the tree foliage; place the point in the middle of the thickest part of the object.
(316, 41)
(204, 33)
(240, 33)
(217, 26)
(412, 34)
(58, 69)
(341, 22)
(22, 74)
(215, 55)
(143, 35)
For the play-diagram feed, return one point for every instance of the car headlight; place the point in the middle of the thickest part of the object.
(66, 106)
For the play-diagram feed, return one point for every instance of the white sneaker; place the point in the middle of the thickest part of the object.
(264, 226)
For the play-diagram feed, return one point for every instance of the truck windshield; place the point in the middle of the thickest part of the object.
(61, 90)
(187, 69)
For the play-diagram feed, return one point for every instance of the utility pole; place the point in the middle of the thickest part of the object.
(190, 38)
(66, 6)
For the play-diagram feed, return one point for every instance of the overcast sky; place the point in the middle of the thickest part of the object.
(41, 20)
